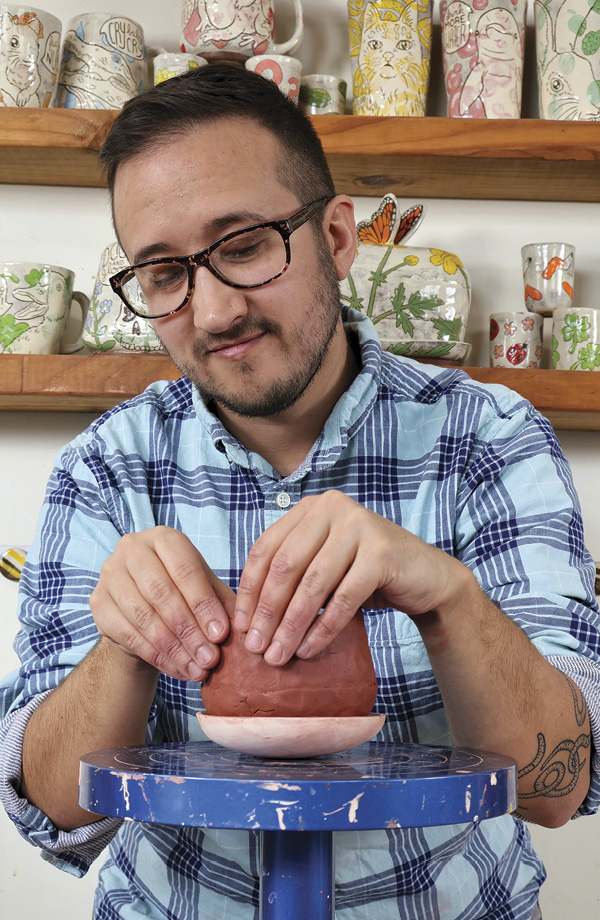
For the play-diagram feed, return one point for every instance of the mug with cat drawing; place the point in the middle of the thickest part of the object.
(110, 325)
(103, 62)
(390, 49)
(36, 315)
(283, 70)
(29, 50)
(482, 57)
(567, 37)
(234, 30)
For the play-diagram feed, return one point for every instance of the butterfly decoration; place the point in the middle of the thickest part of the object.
(387, 225)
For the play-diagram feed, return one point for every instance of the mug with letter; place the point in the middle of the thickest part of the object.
(103, 62)
(235, 29)
(29, 50)
(36, 300)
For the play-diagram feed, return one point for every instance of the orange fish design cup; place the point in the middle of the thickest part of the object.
(548, 276)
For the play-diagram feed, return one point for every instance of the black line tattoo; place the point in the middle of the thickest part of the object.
(559, 772)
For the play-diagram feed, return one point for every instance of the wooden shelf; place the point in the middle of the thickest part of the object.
(95, 383)
(523, 159)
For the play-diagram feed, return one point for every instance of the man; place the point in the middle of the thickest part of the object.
(294, 468)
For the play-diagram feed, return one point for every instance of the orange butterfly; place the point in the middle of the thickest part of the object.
(380, 228)
(409, 222)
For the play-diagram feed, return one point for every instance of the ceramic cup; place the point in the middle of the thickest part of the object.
(29, 51)
(516, 340)
(548, 276)
(235, 29)
(110, 325)
(103, 62)
(322, 94)
(167, 65)
(567, 38)
(36, 316)
(482, 57)
(390, 50)
(284, 71)
(576, 339)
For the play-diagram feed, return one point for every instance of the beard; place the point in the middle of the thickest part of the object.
(306, 345)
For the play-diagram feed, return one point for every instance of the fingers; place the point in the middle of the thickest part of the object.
(158, 600)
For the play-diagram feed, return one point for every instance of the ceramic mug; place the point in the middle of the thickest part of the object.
(567, 38)
(235, 29)
(482, 57)
(516, 340)
(110, 325)
(322, 94)
(36, 316)
(576, 339)
(103, 62)
(548, 276)
(29, 49)
(167, 65)
(390, 49)
(284, 71)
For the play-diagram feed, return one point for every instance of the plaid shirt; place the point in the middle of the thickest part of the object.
(474, 470)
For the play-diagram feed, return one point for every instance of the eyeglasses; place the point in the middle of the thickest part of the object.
(247, 258)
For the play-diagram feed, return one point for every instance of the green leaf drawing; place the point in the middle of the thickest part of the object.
(575, 330)
(591, 43)
(588, 358)
(317, 97)
(10, 277)
(354, 300)
(596, 7)
(34, 277)
(9, 331)
(448, 328)
(441, 350)
(555, 353)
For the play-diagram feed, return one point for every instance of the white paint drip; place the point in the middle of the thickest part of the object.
(352, 807)
(468, 801)
(280, 817)
(125, 789)
(493, 779)
(275, 787)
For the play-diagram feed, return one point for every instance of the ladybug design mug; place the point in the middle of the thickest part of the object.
(516, 340)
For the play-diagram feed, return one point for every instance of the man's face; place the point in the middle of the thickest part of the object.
(254, 352)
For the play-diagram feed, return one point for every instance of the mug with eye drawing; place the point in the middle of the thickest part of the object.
(29, 52)
(390, 48)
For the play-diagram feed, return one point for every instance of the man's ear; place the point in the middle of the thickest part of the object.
(339, 227)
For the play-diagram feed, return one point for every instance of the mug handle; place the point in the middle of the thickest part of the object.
(69, 348)
(296, 38)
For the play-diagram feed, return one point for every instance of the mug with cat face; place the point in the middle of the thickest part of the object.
(29, 50)
(390, 48)
(110, 325)
(567, 37)
(103, 62)
(482, 55)
(36, 310)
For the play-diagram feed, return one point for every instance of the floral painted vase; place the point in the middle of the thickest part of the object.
(417, 298)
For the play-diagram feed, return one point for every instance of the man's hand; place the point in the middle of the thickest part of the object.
(158, 601)
(330, 552)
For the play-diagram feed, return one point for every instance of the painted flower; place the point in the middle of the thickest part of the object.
(528, 324)
(98, 289)
(449, 262)
(411, 260)
(164, 74)
(105, 306)
(498, 351)
(510, 328)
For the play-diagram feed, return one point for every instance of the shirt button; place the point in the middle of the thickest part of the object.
(283, 500)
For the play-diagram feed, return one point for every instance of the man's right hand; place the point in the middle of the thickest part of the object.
(158, 601)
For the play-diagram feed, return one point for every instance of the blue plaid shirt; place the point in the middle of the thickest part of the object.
(474, 470)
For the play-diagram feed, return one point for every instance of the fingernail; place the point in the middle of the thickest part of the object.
(274, 653)
(241, 621)
(215, 630)
(205, 655)
(253, 640)
(194, 671)
(304, 650)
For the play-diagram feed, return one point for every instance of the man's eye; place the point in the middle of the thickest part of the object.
(162, 276)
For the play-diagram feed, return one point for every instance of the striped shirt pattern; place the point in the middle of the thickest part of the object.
(471, 469)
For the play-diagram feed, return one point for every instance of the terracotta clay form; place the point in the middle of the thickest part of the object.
(340, 681)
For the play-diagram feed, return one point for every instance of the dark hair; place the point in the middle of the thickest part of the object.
(204, 95)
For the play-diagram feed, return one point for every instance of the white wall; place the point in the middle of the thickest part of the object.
(70, 227)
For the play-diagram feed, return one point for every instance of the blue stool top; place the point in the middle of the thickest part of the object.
(376, 785)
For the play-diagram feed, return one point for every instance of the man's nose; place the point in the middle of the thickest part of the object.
(215, 305)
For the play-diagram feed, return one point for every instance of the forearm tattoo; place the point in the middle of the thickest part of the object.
(559, 771)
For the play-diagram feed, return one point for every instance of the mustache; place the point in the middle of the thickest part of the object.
(247, 327)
